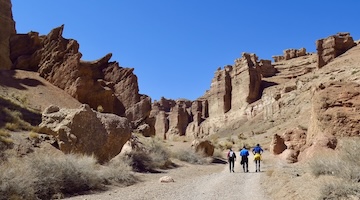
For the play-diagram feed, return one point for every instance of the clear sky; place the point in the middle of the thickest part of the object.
(175, 46)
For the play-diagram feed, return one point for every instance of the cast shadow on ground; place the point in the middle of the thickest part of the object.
(8, 80)
(217, 160)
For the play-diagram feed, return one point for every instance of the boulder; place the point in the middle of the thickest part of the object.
(277, 145)
(7, 29)
(289, 145)
(333, 46)
(203, 146)
(86, 131)
(166, 179)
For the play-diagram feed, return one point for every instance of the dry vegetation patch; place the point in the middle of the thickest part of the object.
(44, 176)
(344, 167)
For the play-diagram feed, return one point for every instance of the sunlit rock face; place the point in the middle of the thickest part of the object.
(7, 28)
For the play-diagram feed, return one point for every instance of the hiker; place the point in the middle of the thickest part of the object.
(244, 153)
(231, 158)
(257, 151)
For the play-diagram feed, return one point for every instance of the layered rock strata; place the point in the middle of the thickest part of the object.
(290, 54)
(333, 46)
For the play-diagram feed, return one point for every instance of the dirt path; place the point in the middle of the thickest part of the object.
(192, 182)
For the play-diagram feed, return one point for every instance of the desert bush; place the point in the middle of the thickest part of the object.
(5, 137)
(154, 155)
(190, 156)
(14, 120)
(339, 190)
(41, 176)
(344, 166)
(118, 171)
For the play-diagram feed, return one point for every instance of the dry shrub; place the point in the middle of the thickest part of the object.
(154, 155)
(5, 137)
(190, 156)
(345, 166)
(14, 120)
(339, 190)
(118, 171)
(41, 176)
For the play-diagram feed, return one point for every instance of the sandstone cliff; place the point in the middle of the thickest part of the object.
(100, 84)
(7, 29)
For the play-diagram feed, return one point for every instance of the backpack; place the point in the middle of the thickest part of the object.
(231, 154)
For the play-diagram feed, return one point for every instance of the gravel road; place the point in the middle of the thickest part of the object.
(191, 182)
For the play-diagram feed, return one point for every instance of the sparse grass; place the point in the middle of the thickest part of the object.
(15, 116)
(33, 135)
(43, 176)
(354, 72)
(154, 156)
(118, 171)
(100, 108)
(15, 120)
(190, 156)
(345, 166)
(5, 138)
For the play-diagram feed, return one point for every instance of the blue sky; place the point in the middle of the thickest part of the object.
(176, 46)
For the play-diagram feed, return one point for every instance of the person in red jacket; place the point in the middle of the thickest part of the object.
(231, 158)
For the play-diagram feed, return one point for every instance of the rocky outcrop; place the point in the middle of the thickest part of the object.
(290, 54)
(266, 68)
(203, 146)
(335, 112)
(86, 131)
(334, 115)
(97, 83)
(251, 79)
(289, 145)
(179, 118)
(219, 96)
(333, 46)
(277, 145)
(7, 29)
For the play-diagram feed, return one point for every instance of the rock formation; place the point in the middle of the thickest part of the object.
(266, 68)
(203, 146)
(7, 29)
(277, 145)
(290, 54)
(333, 46)
(98, 83)
(86, 131)
(289, 145)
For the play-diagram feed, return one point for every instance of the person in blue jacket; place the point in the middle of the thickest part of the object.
(257, 151)
(244, 153)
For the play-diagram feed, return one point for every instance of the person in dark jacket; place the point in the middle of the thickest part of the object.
(257, 151)
(231, 158)
(244, 153)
